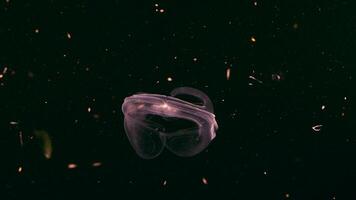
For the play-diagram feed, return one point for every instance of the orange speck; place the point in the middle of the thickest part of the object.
(72, 166)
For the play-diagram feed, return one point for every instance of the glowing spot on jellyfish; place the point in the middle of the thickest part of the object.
(140, 106)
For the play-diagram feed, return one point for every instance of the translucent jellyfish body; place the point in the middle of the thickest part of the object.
(153, 122)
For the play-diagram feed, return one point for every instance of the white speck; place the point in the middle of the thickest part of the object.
(89, 109)
(253, 39)
(276, 77)
(322, 107)
(253, 78)
(169, 79)
(14, 123)
(164, 183)
(205, 181)
(317, 128)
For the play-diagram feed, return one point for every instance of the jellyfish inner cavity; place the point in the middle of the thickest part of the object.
(169, 126)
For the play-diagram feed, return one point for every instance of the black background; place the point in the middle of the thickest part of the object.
(265, 146)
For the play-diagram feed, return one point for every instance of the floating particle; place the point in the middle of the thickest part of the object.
(19, 169)
(164, 183)
(322, 107)
(204, 181)
(72, 166)
(69, 36)
(255, 3)
(287, 195)
(21, 138)
(253, 39)
(14, 123)
(96, 164)
(255, 79)
(195, 59)
(317, 128)
(295, 26)
(161, 10)
(37, 30)
(89, 109)
(46, 142)
(228, 74)
(169, 79)
(276, 77)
